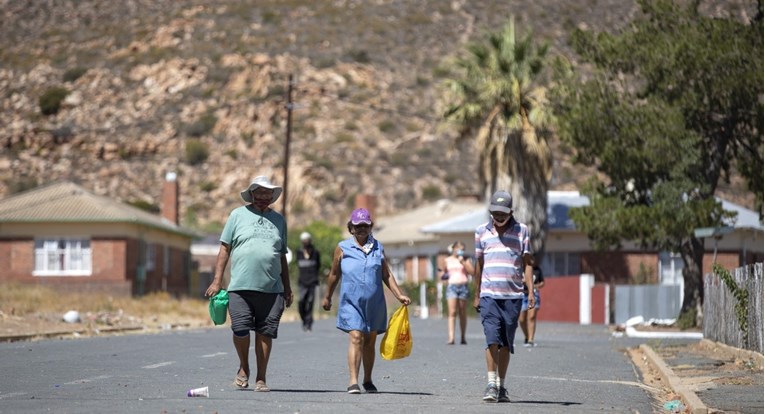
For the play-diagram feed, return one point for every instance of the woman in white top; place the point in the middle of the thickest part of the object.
(458, 271)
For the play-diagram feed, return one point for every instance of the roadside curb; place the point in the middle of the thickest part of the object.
(67, 333)
(689, 397)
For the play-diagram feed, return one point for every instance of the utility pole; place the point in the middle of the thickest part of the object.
(287, 148)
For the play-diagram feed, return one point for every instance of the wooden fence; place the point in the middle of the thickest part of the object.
(721, 318)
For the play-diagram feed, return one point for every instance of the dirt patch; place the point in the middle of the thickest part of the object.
(34, 312)
(660, 391)
(45, 325)
(704, 367)
(734, 381)
(714, 357)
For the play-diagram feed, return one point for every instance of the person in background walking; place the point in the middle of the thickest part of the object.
(528, 318)
(255, 238)
(360, 262)
(503, 264)
(458, 269)
(308, 261)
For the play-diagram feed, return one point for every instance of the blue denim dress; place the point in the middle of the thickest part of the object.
(362, 302)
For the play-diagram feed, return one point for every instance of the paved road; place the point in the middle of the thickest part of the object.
(575, 369)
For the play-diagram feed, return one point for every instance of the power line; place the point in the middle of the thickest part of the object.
(287, 147)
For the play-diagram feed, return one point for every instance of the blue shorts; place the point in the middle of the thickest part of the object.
(499, 318)
(457, 291)
(526, 301)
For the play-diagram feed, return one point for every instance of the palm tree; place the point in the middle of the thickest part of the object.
(498, 99)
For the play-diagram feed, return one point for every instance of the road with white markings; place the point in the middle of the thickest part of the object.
(574, 369)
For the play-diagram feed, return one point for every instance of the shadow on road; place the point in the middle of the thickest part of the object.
(297, 391)
(563, 403)
(403, 393)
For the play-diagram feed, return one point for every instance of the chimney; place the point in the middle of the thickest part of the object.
(368, 202)
(169, 207)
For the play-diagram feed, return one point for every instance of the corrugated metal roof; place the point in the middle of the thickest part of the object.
(746, 219)
(406, 227)
(68, 202)
(464, 223)
(558, 205)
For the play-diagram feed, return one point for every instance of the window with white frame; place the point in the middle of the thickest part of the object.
(560, 264)
(62, 257)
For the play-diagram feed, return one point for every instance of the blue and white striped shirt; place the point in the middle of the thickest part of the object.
(502, 274)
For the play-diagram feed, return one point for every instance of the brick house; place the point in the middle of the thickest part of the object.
(584, 284)
(64, 236)
(415, 243)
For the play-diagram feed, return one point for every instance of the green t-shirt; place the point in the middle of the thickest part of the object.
(257, 242)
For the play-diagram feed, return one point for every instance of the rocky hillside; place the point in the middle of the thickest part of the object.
(200, 88)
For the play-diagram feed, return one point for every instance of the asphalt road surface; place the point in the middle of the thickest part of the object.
(575, 369)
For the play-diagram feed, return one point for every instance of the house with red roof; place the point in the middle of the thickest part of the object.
(64, 236)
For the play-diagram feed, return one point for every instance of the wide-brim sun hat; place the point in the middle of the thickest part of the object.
(257, 182)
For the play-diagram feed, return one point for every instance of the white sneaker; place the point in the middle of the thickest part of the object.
(491, 394)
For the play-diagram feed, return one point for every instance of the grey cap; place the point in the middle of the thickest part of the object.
(501, 201)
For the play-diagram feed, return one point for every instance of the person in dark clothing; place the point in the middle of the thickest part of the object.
(308, 264)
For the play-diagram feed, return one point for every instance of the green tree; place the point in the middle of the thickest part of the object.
(497, 96)
(673, 103)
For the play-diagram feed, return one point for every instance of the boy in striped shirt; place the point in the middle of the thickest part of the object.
(503, 263)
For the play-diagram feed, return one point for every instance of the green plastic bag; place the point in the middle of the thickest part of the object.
(219, 307)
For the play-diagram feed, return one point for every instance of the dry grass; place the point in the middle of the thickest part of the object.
(37, 310)
(20, 300)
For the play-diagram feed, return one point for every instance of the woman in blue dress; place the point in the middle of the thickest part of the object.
(359, 262)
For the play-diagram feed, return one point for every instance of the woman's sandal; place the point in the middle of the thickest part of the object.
(261, 386)
(241, 381)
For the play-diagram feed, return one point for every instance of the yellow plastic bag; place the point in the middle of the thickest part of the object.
(397, 341)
